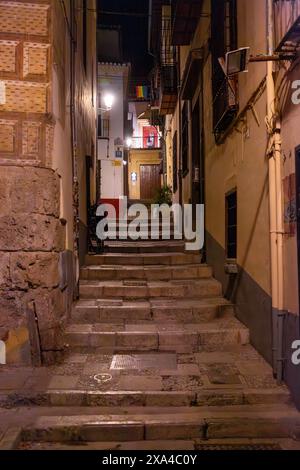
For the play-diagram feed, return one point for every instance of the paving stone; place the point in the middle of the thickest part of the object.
(77, 358)
(63, 382)
(140, 383)
(13, 381)
(188, 383)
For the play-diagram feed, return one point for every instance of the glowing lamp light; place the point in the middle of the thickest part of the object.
(108, 100)
(129, 142)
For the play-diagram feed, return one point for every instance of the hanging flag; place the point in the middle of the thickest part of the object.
(142, 92)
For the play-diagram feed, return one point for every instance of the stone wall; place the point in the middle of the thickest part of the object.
(32, 236)
(31, 239)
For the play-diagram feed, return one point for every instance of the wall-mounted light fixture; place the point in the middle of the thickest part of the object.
(129, 142)
(108, 100)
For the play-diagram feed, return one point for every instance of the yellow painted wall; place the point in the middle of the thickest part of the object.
(169, 150)
(240, 161)
(86, 108)
(136, 159)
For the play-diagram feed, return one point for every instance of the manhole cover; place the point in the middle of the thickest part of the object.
(102, 378)
(237, 447)
(145, 361)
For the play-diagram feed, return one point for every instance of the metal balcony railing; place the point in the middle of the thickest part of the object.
(145, 143)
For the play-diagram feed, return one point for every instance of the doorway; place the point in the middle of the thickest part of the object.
(150, 181)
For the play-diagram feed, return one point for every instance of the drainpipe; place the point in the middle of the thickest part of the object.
(276, 207)
(180, 172)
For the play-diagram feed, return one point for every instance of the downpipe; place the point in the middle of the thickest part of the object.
(276, 208)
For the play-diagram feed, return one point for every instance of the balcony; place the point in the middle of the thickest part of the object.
(168, 89)
(287, 25)
(186, 15)
(150, 142)
(225, 107)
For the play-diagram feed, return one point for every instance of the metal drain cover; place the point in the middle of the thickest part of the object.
(102, 378)
(144, 361)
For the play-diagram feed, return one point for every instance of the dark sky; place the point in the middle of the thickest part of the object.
(134, 31)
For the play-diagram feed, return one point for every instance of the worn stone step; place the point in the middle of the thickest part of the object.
(170, 259)
(149, 273)
(157, 337)
(253, 422)
(98, 446)
(164, 311)
(200, 445)
(112, 398)
(203, 288)
(145, 246)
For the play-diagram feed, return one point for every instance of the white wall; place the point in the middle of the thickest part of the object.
(111, 80)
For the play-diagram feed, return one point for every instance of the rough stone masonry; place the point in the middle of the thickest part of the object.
(32, 306)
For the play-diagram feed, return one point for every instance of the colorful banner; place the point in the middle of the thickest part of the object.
(142, 92)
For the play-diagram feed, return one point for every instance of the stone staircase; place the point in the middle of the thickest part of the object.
(157, 360)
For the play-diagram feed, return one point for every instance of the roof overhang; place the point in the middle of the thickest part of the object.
(186, 15)
(291, 41)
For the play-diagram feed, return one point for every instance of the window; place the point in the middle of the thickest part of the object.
(84, 33)
(185, 138)
(231, 224)
(103, 128)
(223, 40)
(175, 166)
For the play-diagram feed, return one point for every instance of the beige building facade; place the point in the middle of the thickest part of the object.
(236, 147)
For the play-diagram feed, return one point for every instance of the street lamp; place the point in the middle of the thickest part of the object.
(129, 142)
(108, 100)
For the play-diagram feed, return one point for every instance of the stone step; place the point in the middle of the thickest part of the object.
(230, 422)
(171, 445)
(178, 311)
(144, 238)
(151, 398)
(157, 337)
(202, 288)
(145, 246)
(156, 259)
(149, 273)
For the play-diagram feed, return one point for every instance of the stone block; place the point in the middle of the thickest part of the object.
(29, 270)
(175, 430)
(138, 341)
(49, 307)
(12, 313)
(22, 232)
(29, 190)
(4, 270)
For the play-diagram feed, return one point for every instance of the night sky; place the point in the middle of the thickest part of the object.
(134, 31)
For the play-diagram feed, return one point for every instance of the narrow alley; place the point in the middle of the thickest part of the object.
(149, 225)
